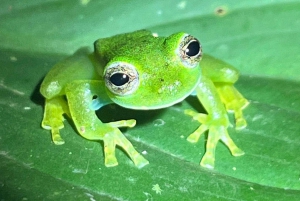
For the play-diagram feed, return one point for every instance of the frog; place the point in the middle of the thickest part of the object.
(142, 71)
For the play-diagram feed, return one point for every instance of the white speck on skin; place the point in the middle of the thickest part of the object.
(181, 136)
(177, 83)
(234, 168)
(181, 5)
(144, 152)
(251, 188)
(159, 12)
(159, 122)
(155, 35)
(53, 86)
(27, 108)
(82, 129)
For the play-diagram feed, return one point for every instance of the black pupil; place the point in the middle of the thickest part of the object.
(193, 48)
(119, 79)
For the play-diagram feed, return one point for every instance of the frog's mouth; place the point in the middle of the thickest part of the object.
(163, 97)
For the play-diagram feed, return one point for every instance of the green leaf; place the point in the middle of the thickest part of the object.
(260, 38)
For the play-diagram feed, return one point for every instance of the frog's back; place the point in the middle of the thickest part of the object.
(125, 44)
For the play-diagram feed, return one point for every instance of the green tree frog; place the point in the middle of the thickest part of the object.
(142, 71)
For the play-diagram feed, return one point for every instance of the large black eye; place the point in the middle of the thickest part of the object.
(193, 48)
(190, 51)
(121, 78)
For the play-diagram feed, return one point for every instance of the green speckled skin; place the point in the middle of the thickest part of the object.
(163, 81)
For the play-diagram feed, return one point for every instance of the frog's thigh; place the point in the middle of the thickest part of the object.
(224, 76)
(218, 71)
(80, 95)
(53, 117)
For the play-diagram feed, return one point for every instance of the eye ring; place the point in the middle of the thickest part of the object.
(190, 51)
(121, 78)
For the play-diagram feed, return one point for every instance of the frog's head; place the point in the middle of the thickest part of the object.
(155, 72)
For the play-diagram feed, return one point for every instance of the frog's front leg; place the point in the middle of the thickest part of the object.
(215, 121)
(80, 95)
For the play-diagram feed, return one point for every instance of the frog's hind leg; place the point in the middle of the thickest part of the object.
(224, 76)
(53, 117)
(234, 102)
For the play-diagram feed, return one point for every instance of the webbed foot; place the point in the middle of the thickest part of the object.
(115, 137)
(234, 103)
(217, 131)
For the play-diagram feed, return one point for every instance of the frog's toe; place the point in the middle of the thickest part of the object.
(140, 161)
(123, 123)
(238, 152)
(208, 161)
(117, 138)
(109, 151)
(135, 156)
(240, 124)
(110, 161)
(235, 151)
(194, 137)
(56, 138)
(244, 102)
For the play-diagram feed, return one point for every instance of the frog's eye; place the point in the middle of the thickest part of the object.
(121, 78)
(189, 51)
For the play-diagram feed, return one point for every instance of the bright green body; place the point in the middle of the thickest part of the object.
(140, 71)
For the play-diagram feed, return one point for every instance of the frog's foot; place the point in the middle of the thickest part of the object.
(53, 118)
(115, 137)
(234, 103)
(236, 107)
(217, 131)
